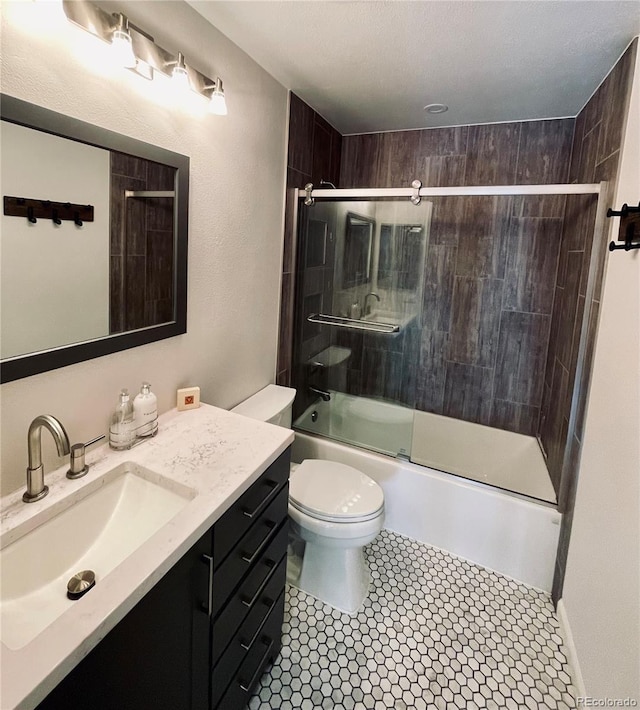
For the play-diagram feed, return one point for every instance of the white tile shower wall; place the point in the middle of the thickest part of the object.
(503, 532)
(234, 236)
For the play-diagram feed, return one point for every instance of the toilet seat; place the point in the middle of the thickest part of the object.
(342, 520)
(334, 492)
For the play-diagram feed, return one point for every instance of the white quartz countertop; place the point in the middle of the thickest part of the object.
(217, 453)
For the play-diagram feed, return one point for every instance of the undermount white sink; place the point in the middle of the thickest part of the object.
(97, 529)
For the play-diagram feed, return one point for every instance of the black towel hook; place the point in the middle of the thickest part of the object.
(629, 240)
(76, 219)
(30, 216)
(624, 211)
(54, 217)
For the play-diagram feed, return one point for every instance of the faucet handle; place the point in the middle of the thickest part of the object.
(77, 465)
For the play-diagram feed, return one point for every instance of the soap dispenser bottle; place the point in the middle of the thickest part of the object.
(145, 408)
(122, 433)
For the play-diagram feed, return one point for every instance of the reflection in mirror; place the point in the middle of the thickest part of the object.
(141, 243)
(358, 242)
(54, 278)
(400, 256)
(73, 289)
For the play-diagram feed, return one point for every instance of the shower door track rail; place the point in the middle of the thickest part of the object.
(461, 191)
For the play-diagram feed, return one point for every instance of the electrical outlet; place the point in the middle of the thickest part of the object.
(188, 398)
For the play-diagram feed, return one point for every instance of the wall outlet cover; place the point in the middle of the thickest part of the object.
(188, 398)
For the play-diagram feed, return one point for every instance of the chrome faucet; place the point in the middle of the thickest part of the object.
(35, 472)
(367, 309)
(326, 396)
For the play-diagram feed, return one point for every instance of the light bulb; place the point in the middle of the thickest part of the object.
(122, 47)
(217, 102)
(180, 78)
(179, 74)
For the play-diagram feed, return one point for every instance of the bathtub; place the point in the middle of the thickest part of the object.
(370, 423)
(504, 459)
(497, 529)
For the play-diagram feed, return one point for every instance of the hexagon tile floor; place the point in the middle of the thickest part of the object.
(436, 633)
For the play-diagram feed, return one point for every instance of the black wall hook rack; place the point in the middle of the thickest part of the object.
(630, 239)
(629, 231)
(624, 211)
(627, 247)
(58, 212)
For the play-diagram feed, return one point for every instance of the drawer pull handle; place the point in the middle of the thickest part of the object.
(250, 602)
(250, 557)
(264, 503)
(209, 560)
(245, 646)
(246, 687)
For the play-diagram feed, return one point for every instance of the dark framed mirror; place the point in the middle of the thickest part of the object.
(94, 241)
(358, 245)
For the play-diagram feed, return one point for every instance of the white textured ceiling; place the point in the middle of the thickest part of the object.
(373, 65)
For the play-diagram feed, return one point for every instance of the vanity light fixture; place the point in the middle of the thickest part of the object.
(138, 51)
(217, 102)
(121, 44)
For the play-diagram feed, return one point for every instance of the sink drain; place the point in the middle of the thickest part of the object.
(81, 583)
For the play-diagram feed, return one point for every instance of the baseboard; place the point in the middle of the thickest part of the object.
(567, 637)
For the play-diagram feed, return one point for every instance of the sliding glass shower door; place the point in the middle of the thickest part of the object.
(358, 318)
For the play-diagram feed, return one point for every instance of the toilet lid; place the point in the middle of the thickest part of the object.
(333, 490)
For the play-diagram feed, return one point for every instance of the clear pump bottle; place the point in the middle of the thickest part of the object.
(122, 434)
(145, 408)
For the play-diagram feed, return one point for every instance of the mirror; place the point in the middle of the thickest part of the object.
(358, 241)
(93, 241)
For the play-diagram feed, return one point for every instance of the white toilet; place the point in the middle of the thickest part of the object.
(335, 510)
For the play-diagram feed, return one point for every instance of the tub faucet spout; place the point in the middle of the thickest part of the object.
(326, 396)
(367, 308)
(35, 471)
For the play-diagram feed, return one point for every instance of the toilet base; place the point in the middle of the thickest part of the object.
(338, 577)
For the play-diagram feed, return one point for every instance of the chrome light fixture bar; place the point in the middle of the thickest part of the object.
(145, 57)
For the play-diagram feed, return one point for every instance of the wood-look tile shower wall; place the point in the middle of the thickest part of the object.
(490, 264)
(313, 155)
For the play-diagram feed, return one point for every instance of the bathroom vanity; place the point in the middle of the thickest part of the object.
(191, 617)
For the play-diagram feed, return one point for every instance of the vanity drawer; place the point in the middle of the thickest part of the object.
(250, 549)
(249, 632)
(264, 649)
(226, 625)
(248, 508)
(252, 590)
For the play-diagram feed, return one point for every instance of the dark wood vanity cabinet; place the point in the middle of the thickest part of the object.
(249, 572)
(202, 636)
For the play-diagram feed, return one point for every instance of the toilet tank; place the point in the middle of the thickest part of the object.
(272, 404)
